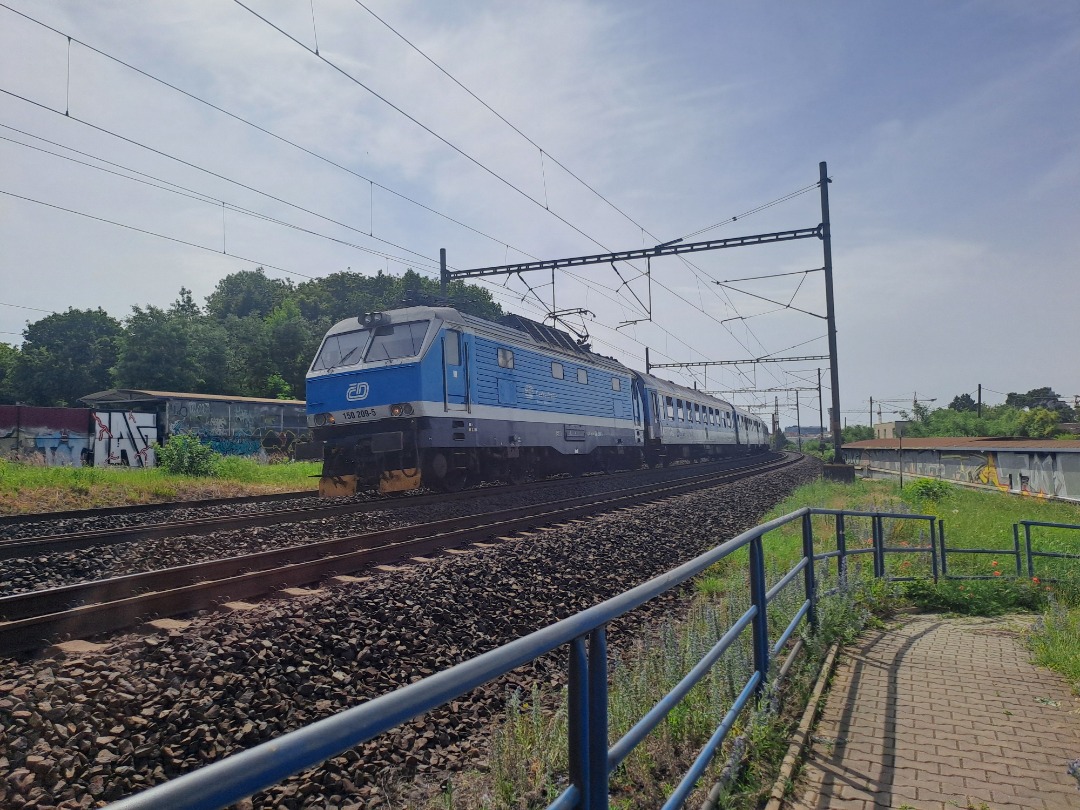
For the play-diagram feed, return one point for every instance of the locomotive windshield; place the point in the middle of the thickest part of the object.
(396, 341)
(346, 349)
(390, 342)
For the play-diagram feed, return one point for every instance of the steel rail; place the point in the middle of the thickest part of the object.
(37, 618)
(164, 506)
(13, 548)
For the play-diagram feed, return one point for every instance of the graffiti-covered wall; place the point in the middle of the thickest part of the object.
(239, 428)
(1042, 474)
(55, 437)
(124, 438)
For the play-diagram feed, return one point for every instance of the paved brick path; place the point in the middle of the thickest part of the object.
(943, 713)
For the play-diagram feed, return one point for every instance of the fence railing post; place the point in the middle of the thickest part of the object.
(841, 547)
(578, 719)
(1016, 551)
(759, 599)
(808, 571)
(933, 548)
(596, 797)
(944, 560)
(1030, 555)
(878, 539)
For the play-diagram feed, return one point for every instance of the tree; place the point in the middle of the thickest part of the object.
(157, 352)
(8, 355)
(65, 356)
(248, 292)
(249, 360)
(857, 433)
(963, 402)
(1042, 398)
(292, 344)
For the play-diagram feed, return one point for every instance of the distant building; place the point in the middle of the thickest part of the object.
(890, 430)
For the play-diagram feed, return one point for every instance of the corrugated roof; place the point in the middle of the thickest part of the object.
(139, 395)
(1017, 445)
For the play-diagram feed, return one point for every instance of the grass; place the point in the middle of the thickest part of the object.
(33, 488)
(528, 763)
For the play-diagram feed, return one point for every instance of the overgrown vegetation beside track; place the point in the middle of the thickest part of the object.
(527, 767)
(32, 488)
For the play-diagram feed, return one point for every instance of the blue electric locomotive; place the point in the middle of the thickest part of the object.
(429, 396)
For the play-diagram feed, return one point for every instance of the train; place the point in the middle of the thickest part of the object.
(428, 396)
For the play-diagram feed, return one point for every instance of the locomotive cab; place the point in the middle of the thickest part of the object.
(371, 387)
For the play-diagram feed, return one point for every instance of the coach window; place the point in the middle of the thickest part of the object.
(616, 384)
(506, 358)
(670, 407)
(556, 371)
(697, 412)
(678, 409)
(583, 376)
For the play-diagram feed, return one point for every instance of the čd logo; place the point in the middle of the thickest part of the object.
(357, 391)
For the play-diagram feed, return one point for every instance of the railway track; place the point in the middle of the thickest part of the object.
(13, 548)
(34, 619)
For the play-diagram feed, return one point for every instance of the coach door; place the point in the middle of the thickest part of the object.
(455, 378)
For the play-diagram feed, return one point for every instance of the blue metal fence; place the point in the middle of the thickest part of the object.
(1032, 554)
(591, 761)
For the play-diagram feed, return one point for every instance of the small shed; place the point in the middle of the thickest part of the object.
(231, 425)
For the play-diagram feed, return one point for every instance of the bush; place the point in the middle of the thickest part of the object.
(184, 454)
(929, 490)
(977, 597)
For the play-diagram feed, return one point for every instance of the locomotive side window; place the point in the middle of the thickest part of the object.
(616, 384)
(506, 358)
(341, 350)
(451, 349)
(396, 341)
(670, 408)
(557, 371)
(583, 376)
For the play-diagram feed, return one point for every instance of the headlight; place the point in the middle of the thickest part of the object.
(320, 419)
(401, 409)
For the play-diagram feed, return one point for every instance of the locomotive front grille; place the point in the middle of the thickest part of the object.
(390, 442)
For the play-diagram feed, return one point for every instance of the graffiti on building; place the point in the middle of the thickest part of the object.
(124, 438)
(1038, 474)
(52, 437)
(240, 428)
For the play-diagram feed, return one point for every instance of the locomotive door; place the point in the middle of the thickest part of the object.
(455, 378)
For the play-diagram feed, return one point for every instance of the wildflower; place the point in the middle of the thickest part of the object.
(1035, 580)
(997, 573)
(994, 563)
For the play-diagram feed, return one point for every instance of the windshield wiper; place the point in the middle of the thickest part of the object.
(343, 358)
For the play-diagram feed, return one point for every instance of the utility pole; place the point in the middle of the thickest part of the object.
(900, 439)
(444, 275)
(830, 314)
(980, 400)
(648, 365)
(798, 420)
(821, 414)
(871, 413)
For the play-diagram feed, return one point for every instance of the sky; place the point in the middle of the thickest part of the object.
(510, 132)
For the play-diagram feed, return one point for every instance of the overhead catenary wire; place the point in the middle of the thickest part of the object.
(174, 188)
(468, 156)
(253, 125)
(418, 255)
